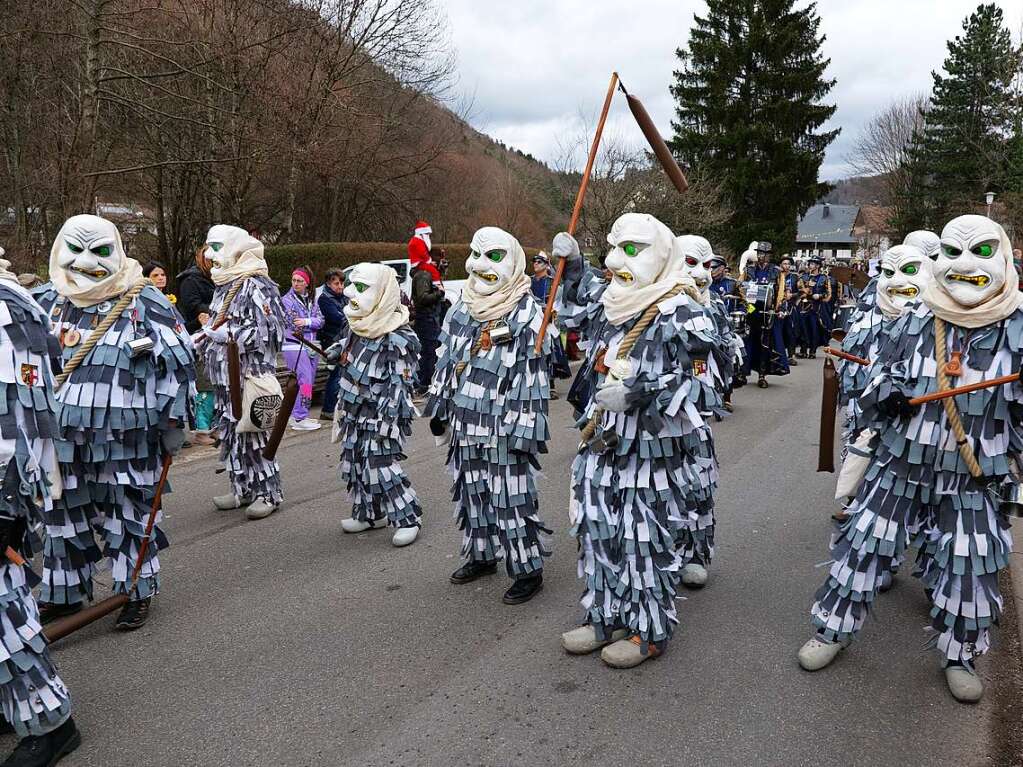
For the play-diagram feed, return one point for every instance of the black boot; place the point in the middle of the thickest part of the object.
(134, 614)
(523, 590)
(45, 750)
(762, 382)
(470, 571)
(49, 612)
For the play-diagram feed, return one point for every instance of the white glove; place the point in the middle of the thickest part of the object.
(565, 246)
(611, 396)
(217, 335)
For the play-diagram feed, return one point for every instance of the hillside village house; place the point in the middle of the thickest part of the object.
(827, 231)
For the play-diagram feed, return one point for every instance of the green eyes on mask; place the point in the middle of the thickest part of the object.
(103, 250)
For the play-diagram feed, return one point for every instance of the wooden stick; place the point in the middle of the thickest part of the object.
(845, 355)
(69, 624)
(310, 345)
(937, 395)
(577, 210)
(656, 142)
(14, 557)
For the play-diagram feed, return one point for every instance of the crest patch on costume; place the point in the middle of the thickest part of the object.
(29, 374)
(263, 412)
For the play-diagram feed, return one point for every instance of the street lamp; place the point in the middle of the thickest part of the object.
(989, 198)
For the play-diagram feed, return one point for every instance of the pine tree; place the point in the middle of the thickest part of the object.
(965, 149)
(749, 110)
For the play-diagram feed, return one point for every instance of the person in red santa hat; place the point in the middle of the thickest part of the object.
(428, 300)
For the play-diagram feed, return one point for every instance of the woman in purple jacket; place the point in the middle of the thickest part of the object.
(304, 319)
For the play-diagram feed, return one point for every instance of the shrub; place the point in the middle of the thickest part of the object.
(321, 256)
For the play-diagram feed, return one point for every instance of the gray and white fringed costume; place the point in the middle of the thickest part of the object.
(492, 389)
(379, 357)
(917, 471)
(114, 414)
(643, 483)
(34, 699)
(255, 319)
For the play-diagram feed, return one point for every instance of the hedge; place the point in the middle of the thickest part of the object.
(321, 256)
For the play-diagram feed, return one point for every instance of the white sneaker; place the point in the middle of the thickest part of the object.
(230, 501)
(694, 576)
(261, 509)
(359, 526)
(405, 536)
(816, 653)
(965, 685)
(306, 424)
(583, 640)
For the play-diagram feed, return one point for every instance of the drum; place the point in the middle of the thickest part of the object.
(738, 322)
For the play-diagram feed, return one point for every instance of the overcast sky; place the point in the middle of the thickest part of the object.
(532, 67)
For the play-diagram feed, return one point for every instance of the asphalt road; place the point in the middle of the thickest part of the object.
(286, 642)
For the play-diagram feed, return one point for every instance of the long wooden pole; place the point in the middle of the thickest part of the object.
(845, 355)
(61, 627)
(577, 210)
(937, 395)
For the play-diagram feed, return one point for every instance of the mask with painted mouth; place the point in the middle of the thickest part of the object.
(641, 247)
(363, 287)
(224, 246)
(492, 261)
(697, 262)
(970, 266)
(904, 273)
(89, 251)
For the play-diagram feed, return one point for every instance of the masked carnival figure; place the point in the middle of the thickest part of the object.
(903, 274)
(34, 699)
(378, 357)
(490, 394)
(763, 290)
(951, 460)
(644, 471)
(123, 402)
(696, 544)
(246, 314)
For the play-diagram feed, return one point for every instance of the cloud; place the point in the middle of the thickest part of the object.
(533, 66)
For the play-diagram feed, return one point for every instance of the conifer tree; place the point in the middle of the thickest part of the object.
(965, 148)
(749, 110)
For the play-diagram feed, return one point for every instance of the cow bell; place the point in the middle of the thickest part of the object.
(1012, 500)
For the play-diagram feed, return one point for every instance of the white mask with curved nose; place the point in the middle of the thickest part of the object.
(926, 242)
(88, 264)
(363, 288)
(697, 256)
(645, 263)
(905, 272)
(970, 266)
(493, 261)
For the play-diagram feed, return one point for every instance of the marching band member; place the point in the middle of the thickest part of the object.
(813, 307)
(765, 344)
(635, 477)
(788, 289)
(34, 698)
(950, 459)
(490, 394)
(378, 358)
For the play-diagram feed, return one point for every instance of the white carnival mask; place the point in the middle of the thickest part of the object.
(641, 247)
(970, 266)
(89, 251)
(697, 262)
(905, 272)
(926, 242)
(495, 259)
(224, 245)
(363, 288)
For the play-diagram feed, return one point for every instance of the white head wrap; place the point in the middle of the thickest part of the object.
(239, 253)
(512, 282)
(74, 247)
(377, 310)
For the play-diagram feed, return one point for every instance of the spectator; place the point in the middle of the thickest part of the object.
(542, 281)
(304, 320)
(196, 289)
(427, 300)
(335, 325)
(157, 272)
